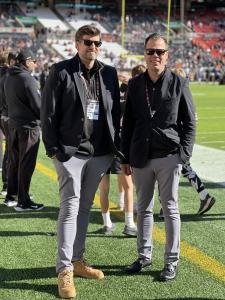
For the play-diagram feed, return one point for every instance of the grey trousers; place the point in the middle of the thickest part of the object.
(166, 171)
(78, 178)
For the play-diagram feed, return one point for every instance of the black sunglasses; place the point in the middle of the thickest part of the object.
(159, 52)
(89, 43)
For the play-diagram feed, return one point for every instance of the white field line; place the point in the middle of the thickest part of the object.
(198, 94)
(210, 132)
(211, 108)
(209, 163)
(212, 142)
(211, 118)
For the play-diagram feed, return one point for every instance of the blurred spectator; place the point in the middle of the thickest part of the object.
(24, 103)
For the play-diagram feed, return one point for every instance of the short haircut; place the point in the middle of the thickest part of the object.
(156, 36)
(87, 30)
(138, 70)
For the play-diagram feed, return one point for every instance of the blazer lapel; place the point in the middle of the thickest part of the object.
(106, 104)
(80, 87)
(104, 93)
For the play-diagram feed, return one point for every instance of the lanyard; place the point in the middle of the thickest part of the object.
(87, 87)
(152, 112)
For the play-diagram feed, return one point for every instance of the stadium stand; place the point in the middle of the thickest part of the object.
(45, 16)
(49, 31)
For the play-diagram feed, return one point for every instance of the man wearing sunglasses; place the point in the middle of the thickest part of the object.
(80, 125)
(157, 138)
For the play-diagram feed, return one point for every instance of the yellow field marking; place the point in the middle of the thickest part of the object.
(188, 251)
(46, 171)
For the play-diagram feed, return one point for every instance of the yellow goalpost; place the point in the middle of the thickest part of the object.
(123, 28)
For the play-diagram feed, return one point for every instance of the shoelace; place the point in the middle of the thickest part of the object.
(65, 279)
(85, 263)
(169, 267)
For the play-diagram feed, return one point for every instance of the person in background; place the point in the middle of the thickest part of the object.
(23, 102)
(9, 61)
(80, 119)
(125, 183)
(157, 138)
(44, 75)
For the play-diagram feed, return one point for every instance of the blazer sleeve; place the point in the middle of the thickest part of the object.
(187, 122)
(49, 110)
(116, 112)
(127, 126)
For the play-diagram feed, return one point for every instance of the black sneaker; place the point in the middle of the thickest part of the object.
(29, 207)
(168, 273)
(130, 231)
(106, 230)
(206, 204)
(138, 265)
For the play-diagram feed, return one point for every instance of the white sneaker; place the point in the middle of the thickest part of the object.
(3, 193)
(10, 203)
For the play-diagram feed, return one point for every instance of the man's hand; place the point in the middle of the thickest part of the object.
(126, 169)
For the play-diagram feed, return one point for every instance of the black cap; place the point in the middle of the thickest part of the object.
(24, 55)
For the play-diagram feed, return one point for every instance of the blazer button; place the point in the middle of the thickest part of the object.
(82, 119)
(147, 140)
(79, 136)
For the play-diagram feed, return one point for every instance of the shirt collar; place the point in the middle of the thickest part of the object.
(92, 71)
(160, 79)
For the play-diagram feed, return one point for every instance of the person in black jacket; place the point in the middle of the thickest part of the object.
(80, 119)
(23, 101)
(157, 138)
(9, 60)
(44, 75)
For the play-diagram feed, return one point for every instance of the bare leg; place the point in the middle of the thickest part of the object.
(104, 193)
(127, 184)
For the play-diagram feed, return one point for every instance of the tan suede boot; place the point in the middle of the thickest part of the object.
(82, 269)
(66, 286)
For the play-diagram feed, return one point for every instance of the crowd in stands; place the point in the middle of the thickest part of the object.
(203, 56)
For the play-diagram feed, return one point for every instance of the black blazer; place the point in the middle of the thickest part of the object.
(63, 107)
(171, 129)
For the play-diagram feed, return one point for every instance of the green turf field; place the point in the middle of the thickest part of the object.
(210, 107)
(28, 252)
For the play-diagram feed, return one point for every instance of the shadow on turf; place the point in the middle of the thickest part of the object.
(17, 275)
(208, 185)
(196, 218)
(48, 212)
(180, 298)
(206, 217)
(25, 233)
